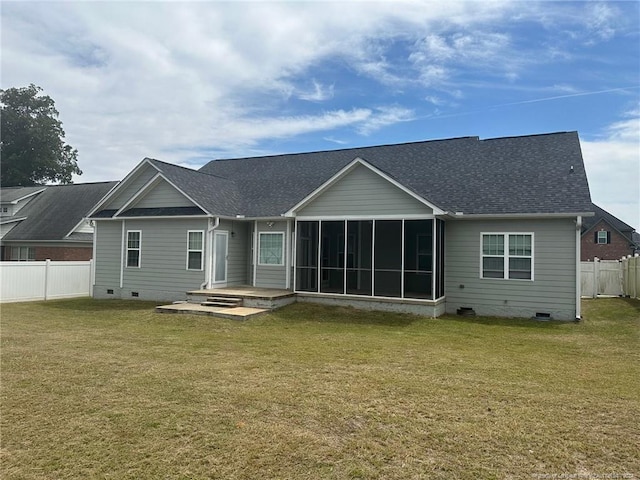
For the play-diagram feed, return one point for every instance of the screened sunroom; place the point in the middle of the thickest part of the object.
(371, 258)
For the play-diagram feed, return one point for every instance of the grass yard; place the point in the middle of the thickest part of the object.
(109, 389)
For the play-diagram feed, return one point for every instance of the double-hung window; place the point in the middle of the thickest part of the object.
(507, 256)
(271, 250)
(134, 243)
(195, 249)
(603, 237)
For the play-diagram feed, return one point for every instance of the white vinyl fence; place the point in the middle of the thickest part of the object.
(48, 280)
(611, 277)
(631, 276)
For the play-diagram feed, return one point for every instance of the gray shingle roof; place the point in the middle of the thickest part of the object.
(217, 195)
(511, 175)
(56, 211)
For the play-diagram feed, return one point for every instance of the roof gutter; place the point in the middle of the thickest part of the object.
(514, 216)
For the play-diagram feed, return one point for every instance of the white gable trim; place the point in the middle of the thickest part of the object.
(345, 171)
(7, 220)
(18, 200)
(120, 185)
(148, 186)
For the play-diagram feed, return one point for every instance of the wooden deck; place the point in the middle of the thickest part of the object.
(252, 301)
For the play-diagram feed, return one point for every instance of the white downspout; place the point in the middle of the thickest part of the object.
(207, 273)
(122, 255)
(255, 253)
(287, 258)
(578, 268)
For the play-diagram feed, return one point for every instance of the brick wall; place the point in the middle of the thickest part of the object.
(615, 250)
(64, 253)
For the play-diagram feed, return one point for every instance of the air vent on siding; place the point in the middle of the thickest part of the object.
(109, 291)
(135, 294)
(466, 312)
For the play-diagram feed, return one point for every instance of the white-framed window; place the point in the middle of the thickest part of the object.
(23, 254)
(195, 249)
(134, 244)
(271, 248)
(507, 256)
(603, 237)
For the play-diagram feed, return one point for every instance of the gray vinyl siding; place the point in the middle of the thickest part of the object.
(272, 276)
(107, 254)
(163, 270)
(132, 187)
(363, 192)
(553, 289)
(163, 195)
(237, 254)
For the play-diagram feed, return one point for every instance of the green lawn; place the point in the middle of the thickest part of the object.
(110, 389)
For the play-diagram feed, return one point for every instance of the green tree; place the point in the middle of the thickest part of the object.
(32, 148)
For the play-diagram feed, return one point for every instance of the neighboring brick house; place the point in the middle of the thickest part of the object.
(606, 237)
(48, 222)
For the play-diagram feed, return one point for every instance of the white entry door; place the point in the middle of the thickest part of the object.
(220, 253)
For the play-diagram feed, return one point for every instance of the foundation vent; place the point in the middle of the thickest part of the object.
(466, 312)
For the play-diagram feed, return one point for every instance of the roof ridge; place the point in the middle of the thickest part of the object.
(187, 168)
(529, 135)
(367, 147)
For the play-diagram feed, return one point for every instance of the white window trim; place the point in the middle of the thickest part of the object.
(127, 248)
(606, 237)
(281, 264)
(506, 256)
(201, 250)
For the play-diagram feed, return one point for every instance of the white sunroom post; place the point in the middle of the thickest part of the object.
(319, 255)
(344, 263)
(294, 260)
(402, 262)
(434, 263)
(373, 258)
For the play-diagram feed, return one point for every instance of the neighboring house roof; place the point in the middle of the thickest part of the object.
(57, 211)
(15, 194)
(535, 174)
(513, 175)
(601, 214)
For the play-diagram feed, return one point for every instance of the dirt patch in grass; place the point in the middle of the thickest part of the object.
(109, 389)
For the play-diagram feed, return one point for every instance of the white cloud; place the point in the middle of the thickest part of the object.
(613, 168)
(383, 116)
(185, 80)
(318, 93)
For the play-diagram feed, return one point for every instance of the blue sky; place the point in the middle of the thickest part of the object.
(187, 82)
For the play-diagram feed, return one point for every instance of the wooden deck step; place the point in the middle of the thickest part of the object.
(227, 302)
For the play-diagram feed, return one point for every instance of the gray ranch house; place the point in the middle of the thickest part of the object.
(490, 226)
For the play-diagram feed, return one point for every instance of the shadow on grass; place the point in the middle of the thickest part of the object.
(301, 313)
(92, 305)
(529, 323)
(632, 302)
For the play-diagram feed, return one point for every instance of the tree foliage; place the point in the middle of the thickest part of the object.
(32, 146)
